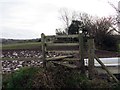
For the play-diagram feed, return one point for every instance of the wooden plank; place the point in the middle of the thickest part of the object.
(81, 53)
(43, 49)
(67, 36)
(66, 51)
(71, 59)
(50, 38)
(62, 36)
(66, 65)
(62, 44)
(21, 59)
(58, 58)
(63, 58)
(91, 52)
(105, 68)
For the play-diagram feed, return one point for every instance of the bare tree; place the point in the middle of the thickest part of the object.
(114, 6)
(67, 16)
(117, 18)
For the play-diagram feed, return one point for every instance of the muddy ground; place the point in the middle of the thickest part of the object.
(99, 53)
(13, 65)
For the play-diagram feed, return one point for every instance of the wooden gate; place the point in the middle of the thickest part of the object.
(84, 47)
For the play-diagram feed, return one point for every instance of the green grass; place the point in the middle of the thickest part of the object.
(21, 46)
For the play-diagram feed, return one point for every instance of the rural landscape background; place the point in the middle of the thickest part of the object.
(23, 53)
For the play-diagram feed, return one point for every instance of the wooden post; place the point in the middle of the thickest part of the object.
(81, 53)
(43, 50)
(105, 68)
(91, 51)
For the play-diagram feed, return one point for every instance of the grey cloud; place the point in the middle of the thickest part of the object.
(17, 34)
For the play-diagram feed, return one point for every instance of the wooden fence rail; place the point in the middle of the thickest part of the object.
(105, 68)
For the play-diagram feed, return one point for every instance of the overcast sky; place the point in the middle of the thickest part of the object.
(26, 19)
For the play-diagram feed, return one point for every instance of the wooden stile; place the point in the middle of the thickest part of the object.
(59, 58)
(43, 50)
(81, 53)
(91, 51)
(66, 65)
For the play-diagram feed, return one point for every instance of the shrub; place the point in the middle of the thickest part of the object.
(53, 77)
(59, 77)
(106, 42)
(21, 79)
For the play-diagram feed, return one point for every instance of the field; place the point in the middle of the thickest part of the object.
(37, 45)
(18, 56)
(28, 45)
(30, 51)
(24, 54)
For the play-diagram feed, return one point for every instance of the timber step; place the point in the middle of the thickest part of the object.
(59, 58)
(66, 65)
